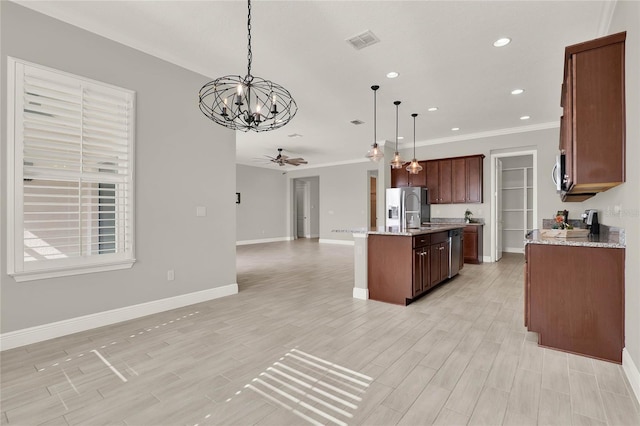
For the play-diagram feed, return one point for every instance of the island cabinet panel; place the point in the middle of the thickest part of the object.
(439, 258)
(472, 244)
(574, 298)
(402, 268)
(390, 268)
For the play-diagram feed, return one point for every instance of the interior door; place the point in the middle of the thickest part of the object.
(498, 225)
(300, 210)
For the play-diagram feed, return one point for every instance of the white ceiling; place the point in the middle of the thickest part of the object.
(442, 49)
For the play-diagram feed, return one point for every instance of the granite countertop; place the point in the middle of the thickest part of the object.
(612, 238)
(454, 221)
(412, 232)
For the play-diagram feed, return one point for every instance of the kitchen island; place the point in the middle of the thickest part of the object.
(404, 264)
(574, 293)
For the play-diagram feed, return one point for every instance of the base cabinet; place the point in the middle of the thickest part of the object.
(574, 298)
(472, 244)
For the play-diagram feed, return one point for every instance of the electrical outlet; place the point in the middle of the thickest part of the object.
(171, 275)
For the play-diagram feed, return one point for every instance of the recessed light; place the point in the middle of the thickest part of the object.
(432, 109)
(525, 117)
(517, 91)
(400, 138)
(501, 42)
(455, 129)
(392, 74)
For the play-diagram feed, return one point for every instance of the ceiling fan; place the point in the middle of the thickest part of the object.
(282, 159)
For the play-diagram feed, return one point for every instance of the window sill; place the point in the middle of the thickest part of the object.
(69, 271)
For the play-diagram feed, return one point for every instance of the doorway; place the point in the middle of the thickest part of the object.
(513, 202)
(305, 212)
(373, 199)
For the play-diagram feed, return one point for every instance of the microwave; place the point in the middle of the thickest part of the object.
(559, 172)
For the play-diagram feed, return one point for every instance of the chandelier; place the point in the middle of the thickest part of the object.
(247, 103)
(375, 153)
(397, 160)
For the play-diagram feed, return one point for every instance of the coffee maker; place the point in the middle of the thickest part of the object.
(590, 218)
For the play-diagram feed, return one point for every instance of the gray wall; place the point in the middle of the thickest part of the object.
(182, 161)
(627, 196)
(262, 211)
(343, 201)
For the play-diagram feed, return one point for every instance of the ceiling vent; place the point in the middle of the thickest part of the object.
(357, 122)
(363, 40)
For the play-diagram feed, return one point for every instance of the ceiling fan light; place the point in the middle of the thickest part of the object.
(414, 168)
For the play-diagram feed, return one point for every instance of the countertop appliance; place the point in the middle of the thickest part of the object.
(455, 241)
(590, 218)
(404, 207)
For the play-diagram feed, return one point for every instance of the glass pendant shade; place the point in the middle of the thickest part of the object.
(414, 168)
(375, 153)
(397, 160)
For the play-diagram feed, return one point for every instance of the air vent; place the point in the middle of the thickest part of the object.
(363, 40)
(357, 122)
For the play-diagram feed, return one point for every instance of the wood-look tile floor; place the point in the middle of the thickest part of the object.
(294, 348)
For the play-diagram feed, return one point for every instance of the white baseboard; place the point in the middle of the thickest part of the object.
(52, 330)
(262, 241)
(513, 250)
(340, 242)
(361, 293)
(632, 372)
(486, 259)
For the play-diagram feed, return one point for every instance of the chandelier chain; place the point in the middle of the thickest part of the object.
(249, 53)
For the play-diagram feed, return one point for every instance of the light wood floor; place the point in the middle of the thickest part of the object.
(294, 348)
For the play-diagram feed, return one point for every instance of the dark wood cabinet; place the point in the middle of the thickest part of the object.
(439, 258)
(439, 181)
(574, 298)
(402, 268)
(472, 244)
(455, 180)
(401, 177)
(592, 128)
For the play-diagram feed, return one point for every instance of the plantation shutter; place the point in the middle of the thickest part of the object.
(74, 179)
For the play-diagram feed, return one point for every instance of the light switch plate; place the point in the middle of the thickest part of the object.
(201, 211)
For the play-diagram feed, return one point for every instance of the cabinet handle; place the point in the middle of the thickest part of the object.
(441, 248)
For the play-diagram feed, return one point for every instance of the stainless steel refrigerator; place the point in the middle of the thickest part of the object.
(406, 207)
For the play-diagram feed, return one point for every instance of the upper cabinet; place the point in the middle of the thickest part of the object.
(401, 177)
(449, 180)
(592, 127)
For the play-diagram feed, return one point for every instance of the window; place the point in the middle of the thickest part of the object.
(70, 170)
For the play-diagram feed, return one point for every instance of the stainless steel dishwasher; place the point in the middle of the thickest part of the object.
(455, 237)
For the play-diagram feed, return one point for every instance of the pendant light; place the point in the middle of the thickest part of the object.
(397, 160)
(375, 153)
(247, 103)
(414, 168)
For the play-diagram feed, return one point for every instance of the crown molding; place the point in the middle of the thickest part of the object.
(487, 134)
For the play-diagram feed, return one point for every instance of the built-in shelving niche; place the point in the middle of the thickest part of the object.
(517, 202)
